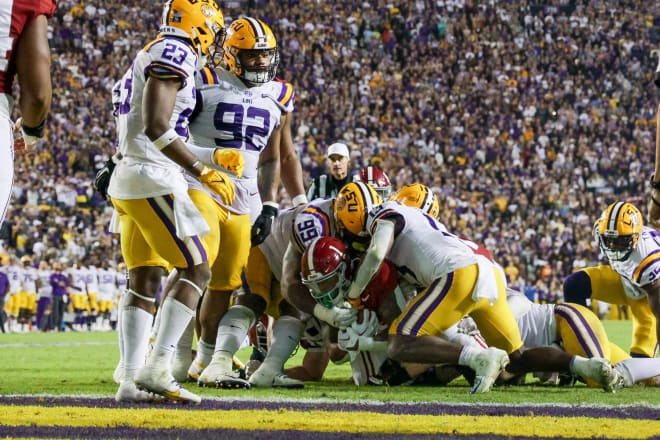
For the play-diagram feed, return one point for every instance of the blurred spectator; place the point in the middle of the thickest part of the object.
(523, 118)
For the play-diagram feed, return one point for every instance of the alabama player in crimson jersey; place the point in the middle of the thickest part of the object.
(24, 53)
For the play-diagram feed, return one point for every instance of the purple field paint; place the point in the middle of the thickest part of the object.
(426, 408)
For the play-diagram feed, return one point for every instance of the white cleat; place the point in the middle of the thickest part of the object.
(118, 373)
(487, 365)
(180, 367)
(195, 370)
(600, 371)
(128, 392)
(217, 375)
(267, 379)
(161, 382)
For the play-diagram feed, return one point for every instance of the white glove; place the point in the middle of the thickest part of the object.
(336, 316)
(348, 339)
(367, 323)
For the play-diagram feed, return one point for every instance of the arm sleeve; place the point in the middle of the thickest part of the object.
(204, 154)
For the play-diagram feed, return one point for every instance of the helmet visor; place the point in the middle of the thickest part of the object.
(617, 247)
(327, 290)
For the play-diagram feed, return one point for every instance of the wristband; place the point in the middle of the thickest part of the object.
(654, 184)
(165, 139)
(37, 131)
(299, 199)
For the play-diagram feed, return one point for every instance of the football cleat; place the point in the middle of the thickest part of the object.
(251, 366)
(487, 366)
(600, 371)
(161, 382)
(118, 373)
(195, 370)
(230, 381)
(180, 367)
(266, 379)
(128, 392)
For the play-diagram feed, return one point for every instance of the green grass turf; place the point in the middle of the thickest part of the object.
(83, 363)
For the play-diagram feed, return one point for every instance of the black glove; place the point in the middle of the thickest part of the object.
(261, 227)
(102, 179)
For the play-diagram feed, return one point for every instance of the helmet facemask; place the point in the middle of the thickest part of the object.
(328, 289)
(617, 247)
(256, 75)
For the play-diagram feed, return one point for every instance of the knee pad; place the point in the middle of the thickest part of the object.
(577, 288)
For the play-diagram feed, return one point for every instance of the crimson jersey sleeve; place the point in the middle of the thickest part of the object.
(12, 24)
(380, 286)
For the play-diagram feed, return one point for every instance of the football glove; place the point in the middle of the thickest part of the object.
(263, 223)
(102, 179)
(338, 317)
(23, 142)
(219, 183)
(230, 159)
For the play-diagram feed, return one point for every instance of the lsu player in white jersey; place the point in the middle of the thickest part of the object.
(92, 281)
(630, 277)
(27, 305)
(162, 224)
(107, 286)
(11, 306)
(241, 109)
(260, 294)
(452, 281)
(283, 249)
(577, 330)
(79, 302)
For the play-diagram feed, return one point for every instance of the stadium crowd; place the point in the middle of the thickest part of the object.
(525, 120)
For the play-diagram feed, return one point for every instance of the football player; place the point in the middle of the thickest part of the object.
(27, 304)
(377, 179)
(577, 330)
(629, 278)
(327, 271)
(452, 281)
(162, 223)
(45, 297)
(261, 294)
(242, 108)
(25, 55)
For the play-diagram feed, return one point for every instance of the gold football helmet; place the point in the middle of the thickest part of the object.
(250, 37)
(618, 230)
(201, 22)
(354, 201)
(419, 196)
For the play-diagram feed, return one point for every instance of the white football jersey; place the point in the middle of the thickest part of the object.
(642, 267)
(77, 280)
(315, 220)
(91, 279)
(236, 116)
(144, 170)
(107, 283)
(275, 244)
(45, 288)
(423, 250)
(29, 280)
(537, 323)
(15, 275)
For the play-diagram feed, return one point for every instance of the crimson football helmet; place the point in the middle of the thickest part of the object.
(378, 180)
(618, 230)
(324, 270)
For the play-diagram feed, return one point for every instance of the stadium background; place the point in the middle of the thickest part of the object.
(526, 119)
